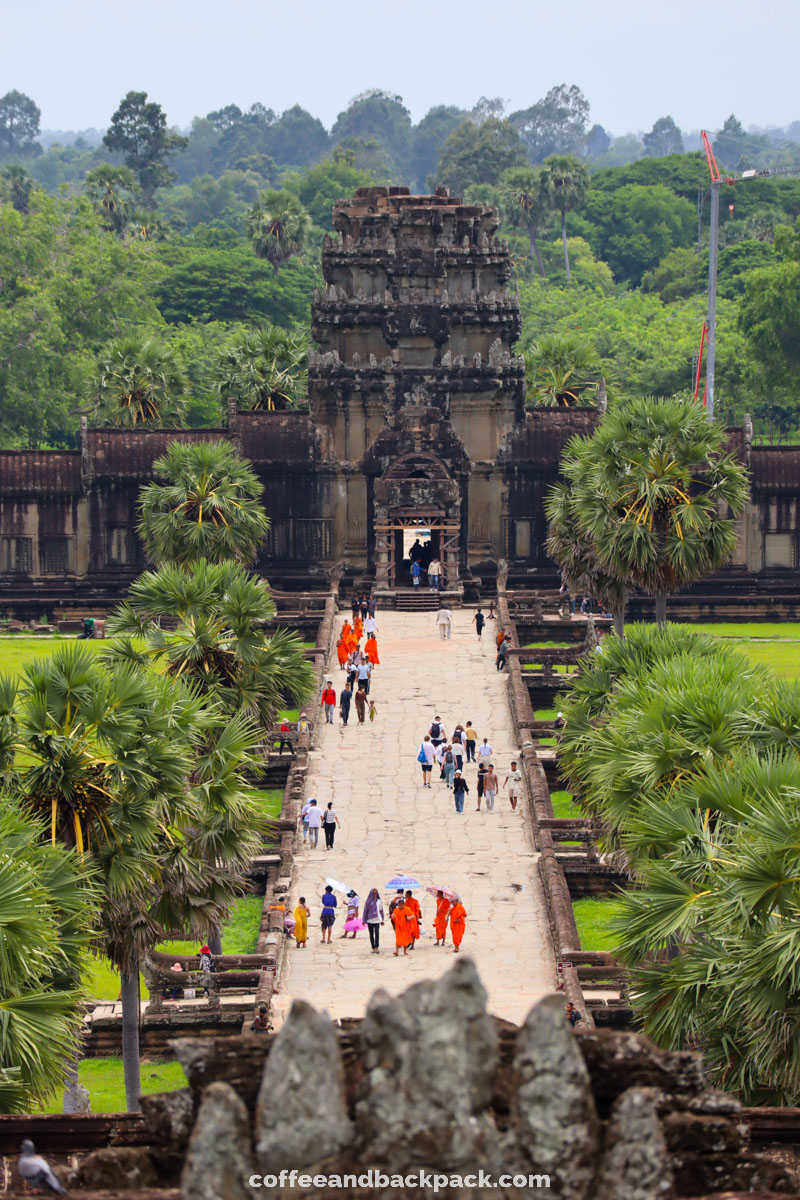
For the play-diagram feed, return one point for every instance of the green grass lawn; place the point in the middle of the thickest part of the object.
(775, 645)
(103, 1079)
(563, 808)
(16, 650)
(548, 645)
(592, 918)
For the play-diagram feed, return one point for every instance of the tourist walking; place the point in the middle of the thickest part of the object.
(425, 757)
(304, 816)
(448, 765)
(470, 738)
(344, 703)
(437, 731)
(514, 781)
(352, 923)
(485, 751)
(440, 921)
(355, 605)
(370, 625)
(285, 730)
(483, 771)
(363, 673)
(314, 818)
(361, 704)
(402, 919)
(301, 914)
(433, 574)
(330, 821)
(328, 701)
(373, 712)
(479, 620)
(490, 786)
(414, 926)
(458, 921)
(416, 571)
(457, 742)
(342, 653)
(364, 607)
(371, 651)
(373, 918)
(444, 619)
(329, 904)
(460, 790)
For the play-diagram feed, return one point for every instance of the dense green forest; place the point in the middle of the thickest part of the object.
(145, 275)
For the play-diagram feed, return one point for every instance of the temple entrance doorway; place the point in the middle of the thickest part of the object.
(408, 535)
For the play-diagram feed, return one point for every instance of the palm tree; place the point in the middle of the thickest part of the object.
(205, 503)
(561, 370)
(566, 181)
(138, 381)
(217, 616)
(48, 908)
(263, 368)
(278, 225)
(652, 488)
(112, 190)
(527, 205)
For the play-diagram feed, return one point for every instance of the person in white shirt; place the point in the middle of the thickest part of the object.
(514, 781)
(444, 620)
(304, 816)
(370, 625)
(433, 574)
(314, 818)
(485, 751)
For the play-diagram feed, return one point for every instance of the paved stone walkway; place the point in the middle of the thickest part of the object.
(390, 824)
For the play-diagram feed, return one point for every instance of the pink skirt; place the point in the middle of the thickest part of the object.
(353, 925)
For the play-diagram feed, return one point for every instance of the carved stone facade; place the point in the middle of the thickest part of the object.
(416, 421)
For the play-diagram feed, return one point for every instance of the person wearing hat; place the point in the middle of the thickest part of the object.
(559, 722)
(460, 789)
(302, 723)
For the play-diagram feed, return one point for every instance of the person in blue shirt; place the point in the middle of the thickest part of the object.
(328, 912)
(416, 571)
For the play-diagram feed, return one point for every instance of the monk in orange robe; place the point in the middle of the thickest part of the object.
(440, 922)
(458, 919)
(371, 651)
(401, 918)
(358, 628)
(415, 918)
(341, 652)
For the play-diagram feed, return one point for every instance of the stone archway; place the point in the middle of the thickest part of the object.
(416, 490)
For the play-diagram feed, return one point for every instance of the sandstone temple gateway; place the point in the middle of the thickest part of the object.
(416, 420)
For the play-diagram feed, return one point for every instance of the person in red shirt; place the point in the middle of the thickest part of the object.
(328, 701)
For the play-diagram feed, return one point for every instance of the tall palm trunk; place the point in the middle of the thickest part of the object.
(619, 622)
(215, 939)
(129, 992)
(661, 609)
(564, 242)
(533, 249)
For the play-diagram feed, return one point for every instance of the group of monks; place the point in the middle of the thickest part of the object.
(405, 915)
(350, 640)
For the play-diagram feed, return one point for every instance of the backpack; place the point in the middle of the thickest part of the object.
(448, 758)
(435, 730)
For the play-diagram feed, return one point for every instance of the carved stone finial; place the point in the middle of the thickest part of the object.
(292, 1128)
(219, 1160)
(373, 362)
(476, 359)
(496, 353)
(554, 1112)
(447, 359)
(445, 297)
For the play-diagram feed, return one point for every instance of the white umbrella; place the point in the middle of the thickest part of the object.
(338, 886)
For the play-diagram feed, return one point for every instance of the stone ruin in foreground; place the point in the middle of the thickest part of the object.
(430, 1080)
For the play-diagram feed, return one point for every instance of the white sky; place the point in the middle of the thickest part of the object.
(635, 60)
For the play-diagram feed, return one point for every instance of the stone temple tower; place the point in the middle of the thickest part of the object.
(415, 388)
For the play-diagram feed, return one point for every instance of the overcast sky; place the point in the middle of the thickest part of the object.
(635, 60)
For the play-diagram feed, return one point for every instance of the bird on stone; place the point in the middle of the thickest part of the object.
(36, 1171)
